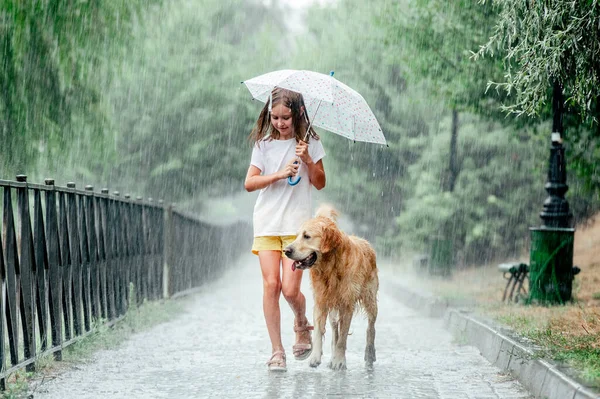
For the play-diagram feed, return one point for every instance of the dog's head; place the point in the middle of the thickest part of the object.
(316, 237)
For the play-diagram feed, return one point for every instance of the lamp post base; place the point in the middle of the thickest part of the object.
(551, 265)
(441, 257)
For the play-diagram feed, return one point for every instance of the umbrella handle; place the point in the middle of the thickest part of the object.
(293, 182)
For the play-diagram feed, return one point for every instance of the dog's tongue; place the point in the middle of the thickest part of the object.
(294, 266)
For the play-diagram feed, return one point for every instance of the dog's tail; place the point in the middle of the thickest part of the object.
(328, 211)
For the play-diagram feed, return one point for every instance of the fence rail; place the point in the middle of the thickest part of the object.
(70, 257)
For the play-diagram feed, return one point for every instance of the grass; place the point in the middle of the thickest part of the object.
(568, 334)
(22, 384)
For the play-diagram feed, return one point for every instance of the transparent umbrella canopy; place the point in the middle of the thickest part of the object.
(330, 104)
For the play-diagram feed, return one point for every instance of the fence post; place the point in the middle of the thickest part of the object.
(100, 204)
(55, 273)
(168, 251)
(12, 280)
(109, 247)
(84, 255)
(128, 257)
(76, 261)
(157, 270)
(41, 264)
(27, 268)
(145, 255)
(65, 256)
(120, 256)
(92, 218)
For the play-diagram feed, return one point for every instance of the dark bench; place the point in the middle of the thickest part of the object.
(516, 273)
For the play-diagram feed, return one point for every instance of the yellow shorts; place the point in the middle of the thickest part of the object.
(271, 243)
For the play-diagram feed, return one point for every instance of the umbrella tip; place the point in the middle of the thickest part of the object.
(331, 73)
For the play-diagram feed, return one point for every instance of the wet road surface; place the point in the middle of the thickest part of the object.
(218, 348)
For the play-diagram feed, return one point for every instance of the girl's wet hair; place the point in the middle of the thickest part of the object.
(300, 122)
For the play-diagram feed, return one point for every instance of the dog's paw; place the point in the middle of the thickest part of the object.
(337, 363)
(314, 361)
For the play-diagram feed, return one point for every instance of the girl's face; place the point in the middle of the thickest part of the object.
(281, 119)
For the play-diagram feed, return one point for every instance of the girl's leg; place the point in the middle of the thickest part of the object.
(291, 288)
(270, 266)
(291, 282)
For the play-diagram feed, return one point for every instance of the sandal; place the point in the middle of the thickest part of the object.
(302, 351)
(277, 361)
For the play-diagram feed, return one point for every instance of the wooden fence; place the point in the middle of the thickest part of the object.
(70, 258)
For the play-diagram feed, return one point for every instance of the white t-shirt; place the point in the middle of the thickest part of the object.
(280, 209)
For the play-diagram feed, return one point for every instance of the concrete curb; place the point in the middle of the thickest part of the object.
(542, 378)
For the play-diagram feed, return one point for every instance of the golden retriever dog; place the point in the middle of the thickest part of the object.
(343, 274)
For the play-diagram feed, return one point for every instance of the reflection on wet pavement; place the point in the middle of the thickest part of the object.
(218, 349)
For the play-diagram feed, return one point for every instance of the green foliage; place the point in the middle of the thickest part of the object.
(50, 88)
(579, 352)
(444, 34)
(17, 385)
(480, 215)
(363, 177)
(183, 114)
(492, 206)
(547, 42)
(145, 97)
(582, 143)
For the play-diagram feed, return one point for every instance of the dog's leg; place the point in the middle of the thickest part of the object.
(370, 349)
(370, 306)
(338, 358)
(319, 320)
(335, 334)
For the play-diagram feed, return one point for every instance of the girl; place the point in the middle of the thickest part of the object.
(282, 149)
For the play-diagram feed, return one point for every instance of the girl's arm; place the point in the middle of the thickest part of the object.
(255, 181)
(316, 171)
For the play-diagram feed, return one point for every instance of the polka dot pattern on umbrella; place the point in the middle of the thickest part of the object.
(341, 109)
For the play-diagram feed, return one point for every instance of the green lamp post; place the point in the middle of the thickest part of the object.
(551, 253)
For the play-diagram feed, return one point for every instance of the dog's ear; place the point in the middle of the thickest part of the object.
(327, 211)
(332, 237)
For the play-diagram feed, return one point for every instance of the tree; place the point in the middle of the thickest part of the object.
(182, 112)
(549, 44)
(442, 35)
(365, 178)
(492, 203)
(50, 85)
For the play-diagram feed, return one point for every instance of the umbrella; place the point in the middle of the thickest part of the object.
(341, 109)
(330, 104)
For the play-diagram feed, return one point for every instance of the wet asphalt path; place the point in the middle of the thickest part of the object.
(218, 348)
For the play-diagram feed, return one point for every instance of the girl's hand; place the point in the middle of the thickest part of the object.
(290, 169)
(302, 152)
